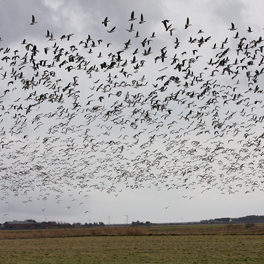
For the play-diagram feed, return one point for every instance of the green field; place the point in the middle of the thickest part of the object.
(164, 244)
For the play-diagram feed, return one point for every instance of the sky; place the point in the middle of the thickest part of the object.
(117, 144)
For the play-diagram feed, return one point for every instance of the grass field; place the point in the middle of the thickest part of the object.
(156, 244)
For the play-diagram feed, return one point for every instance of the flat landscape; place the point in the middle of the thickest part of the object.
(154, 244)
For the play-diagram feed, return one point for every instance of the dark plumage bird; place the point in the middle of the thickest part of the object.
(112, 30)
(105, 21)
(131, 28)
(33, 22)
(132, 16)
(165, 23)
(232, 27)
(249, 30)
(187, 23)
(142, 19)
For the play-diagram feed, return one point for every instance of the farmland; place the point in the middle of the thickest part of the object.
(154, 244)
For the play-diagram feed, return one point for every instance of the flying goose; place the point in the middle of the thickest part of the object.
(33, 21)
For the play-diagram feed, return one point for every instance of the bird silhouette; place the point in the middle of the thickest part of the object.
(33, 22)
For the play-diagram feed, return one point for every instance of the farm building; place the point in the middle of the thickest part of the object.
(27, 224)
(21, 224)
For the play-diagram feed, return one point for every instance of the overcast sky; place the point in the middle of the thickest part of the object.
(62, 197)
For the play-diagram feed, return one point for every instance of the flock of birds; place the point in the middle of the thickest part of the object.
(147, 113)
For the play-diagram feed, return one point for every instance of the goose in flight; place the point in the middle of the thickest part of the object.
(142, 19)
(249, 30)
(112, 30)
(105, 21)
(33, 21)
(232, 27)
(131, 28)
(165, 23)
(187, 23)
(132, 17)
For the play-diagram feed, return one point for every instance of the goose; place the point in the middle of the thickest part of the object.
(131, 28)
(105, 21)
(132, 17)
(112, 30)
(187, 23)
(249, 30)
(141, 19)
(232, 27)
(33, 21)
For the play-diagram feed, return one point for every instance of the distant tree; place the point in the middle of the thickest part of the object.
(77, 224)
